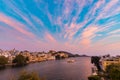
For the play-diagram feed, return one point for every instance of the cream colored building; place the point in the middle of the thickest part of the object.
(109, 61)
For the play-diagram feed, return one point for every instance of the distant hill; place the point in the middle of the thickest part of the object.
(71, 54)
(68, 53)
(84, 55)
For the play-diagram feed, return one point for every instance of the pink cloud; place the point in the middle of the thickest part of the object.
(97, 6)
(15, 25)
(87, 34)
(107, 8)
(50, 38)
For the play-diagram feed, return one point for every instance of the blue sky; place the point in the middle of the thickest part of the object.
(78, 26)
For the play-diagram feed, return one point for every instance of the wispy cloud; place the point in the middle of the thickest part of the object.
(87, 35)
(80, 26)
(15, 25)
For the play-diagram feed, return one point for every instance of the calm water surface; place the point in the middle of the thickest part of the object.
(54, 70)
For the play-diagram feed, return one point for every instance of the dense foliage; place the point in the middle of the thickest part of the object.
(113, 71)
(59, 57)
(3, 61)
(96, 60)
(94, 77)
(20, 60)
(29, 76)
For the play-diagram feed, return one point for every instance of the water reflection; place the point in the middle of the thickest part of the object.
(55, 70)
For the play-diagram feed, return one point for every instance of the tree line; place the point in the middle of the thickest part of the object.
(19, 60)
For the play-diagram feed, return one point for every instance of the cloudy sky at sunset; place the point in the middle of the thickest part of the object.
(78, 26)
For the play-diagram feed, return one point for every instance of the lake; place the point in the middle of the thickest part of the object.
(54, 70)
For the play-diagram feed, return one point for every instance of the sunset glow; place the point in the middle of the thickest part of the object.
(78, 26)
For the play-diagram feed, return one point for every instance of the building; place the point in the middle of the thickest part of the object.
(33, 56)
(108, 61)
(50, 56)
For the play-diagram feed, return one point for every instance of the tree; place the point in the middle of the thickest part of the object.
(96, 61)
(113, 71)
(57, 57)
(29, 76)
(27, 59)
(3, 61)
(20, 60)
(94, 77)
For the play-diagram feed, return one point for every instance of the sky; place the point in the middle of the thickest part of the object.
(89, 27)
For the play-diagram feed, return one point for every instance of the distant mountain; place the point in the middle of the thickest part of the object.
(68, 53)
(72, 55)
(84, 55)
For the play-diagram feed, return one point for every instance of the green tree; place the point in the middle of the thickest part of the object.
(94, 77)
(113, 71)
(20, 60)
(3, 61)
(29, 76)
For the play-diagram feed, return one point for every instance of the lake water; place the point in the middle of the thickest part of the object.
(54, 70)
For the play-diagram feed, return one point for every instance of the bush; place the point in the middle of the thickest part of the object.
(94, 77)
(113, 71)
(3, 61)
(29, 76)
(20, 60)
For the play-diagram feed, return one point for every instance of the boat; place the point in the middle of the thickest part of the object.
(70, 61)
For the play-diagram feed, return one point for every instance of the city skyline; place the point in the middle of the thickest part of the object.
(78, 26)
